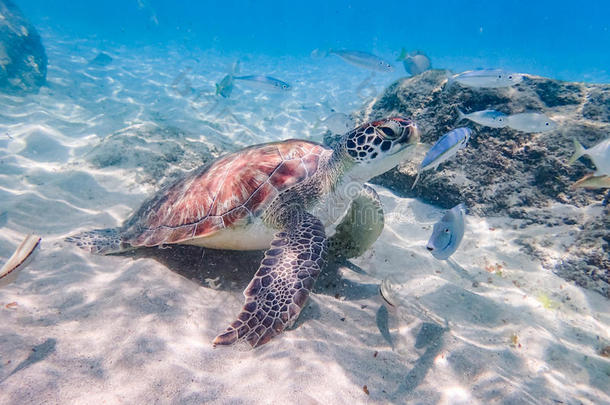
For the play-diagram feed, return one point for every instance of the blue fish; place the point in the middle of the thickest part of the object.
(447, 146)
(447, 233)
(264, 82)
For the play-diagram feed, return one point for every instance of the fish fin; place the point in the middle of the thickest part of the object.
(463, 207)
(579, 150)
(235, 68)
(582, 181)
(403, 55)
(416, 179)
(217, 89)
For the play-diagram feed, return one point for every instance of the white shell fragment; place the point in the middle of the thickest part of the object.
(19, 259)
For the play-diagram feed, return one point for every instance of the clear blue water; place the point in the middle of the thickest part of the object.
(559, 39)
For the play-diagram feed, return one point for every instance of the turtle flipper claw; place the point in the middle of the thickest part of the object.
(281, 286)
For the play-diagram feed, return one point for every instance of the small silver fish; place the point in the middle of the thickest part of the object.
(364, 60)
(387, 291)
(487, 78)
(264, 82)
(446, 147)
(592, 182)
(530, 122)
(447, 233)
(599, 154)
(414, 62)
(225, 87)
(19, 259)
(487, 118)
(339, 123)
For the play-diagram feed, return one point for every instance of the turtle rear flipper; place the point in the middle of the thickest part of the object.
(99, 241)
(281, 286)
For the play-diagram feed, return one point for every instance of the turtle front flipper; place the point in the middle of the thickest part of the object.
(360, 227)
(281, 286)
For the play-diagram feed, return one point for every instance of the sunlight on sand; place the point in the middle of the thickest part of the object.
(139, 327)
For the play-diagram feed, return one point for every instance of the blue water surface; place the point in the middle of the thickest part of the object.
(560, 39)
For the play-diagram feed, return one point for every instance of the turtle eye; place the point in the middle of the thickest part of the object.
(391, 130)
(388, 133)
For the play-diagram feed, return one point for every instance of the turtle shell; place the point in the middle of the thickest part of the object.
(224, 193)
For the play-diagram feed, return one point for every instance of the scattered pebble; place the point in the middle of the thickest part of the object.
(605, 351)
(365, 389)
(514, 340)
(11, 305)
(376, 353)
(342, 319)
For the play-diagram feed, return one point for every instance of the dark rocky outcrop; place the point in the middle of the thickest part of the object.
(23, 61)
(504, 172)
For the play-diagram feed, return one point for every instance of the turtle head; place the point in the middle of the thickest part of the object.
(378, 146)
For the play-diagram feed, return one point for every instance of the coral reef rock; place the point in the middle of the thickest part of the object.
(155, 154)
(504, 172)
(23, 61)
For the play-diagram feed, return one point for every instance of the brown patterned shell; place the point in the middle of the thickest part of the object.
(224, 193)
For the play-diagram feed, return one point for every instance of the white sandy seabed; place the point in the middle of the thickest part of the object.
(76, 328)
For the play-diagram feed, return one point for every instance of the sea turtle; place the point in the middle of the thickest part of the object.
(285, 197)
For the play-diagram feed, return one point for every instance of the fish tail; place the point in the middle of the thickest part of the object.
(461, 115)
(450, 80)
(320, 53)
(416, 179)
(579, 150)
(403, 54)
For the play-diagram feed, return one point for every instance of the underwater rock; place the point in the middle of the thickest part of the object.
(155, 153)
(101, 60)
(23, 61)
(504, 172)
